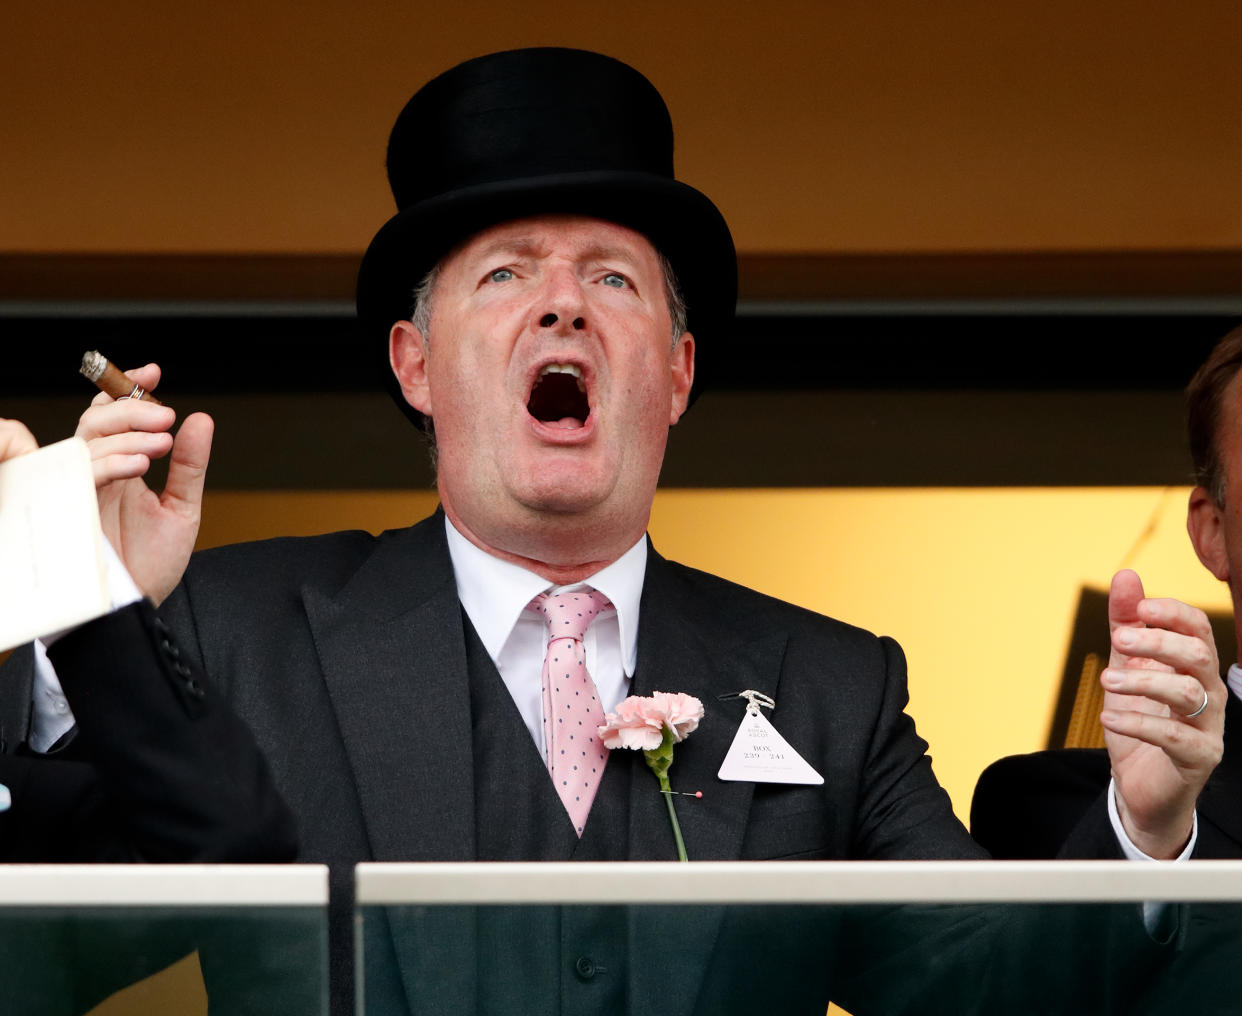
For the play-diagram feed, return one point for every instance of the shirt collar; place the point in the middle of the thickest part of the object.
(494, 592)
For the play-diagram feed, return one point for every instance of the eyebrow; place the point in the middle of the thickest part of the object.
(606, 253)
(521, 246)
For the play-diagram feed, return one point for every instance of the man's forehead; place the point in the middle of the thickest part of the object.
(581, 236)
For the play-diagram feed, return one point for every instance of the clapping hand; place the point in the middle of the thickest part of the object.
(1163, 716)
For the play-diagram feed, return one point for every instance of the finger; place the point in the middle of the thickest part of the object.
(125, 456)
(119, 467)
(1163, 612)
(1187, 654)
(116, 417)
(132, 442)
(187, 467)
(15, 439)
(1182, 694)
(1186, 745)
(146, 377)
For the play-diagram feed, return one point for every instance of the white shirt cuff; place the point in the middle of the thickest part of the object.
(1158, 918)
(1127, 846)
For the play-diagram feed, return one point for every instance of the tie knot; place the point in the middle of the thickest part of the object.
(570, 614)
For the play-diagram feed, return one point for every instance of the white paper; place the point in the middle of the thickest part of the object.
(760, 755)
(51, 549)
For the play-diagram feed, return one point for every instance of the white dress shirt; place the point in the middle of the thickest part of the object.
(496, 594)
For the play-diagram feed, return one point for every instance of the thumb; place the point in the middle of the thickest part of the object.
(187, 465)
(1124, 596)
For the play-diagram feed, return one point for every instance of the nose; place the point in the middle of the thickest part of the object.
(561, 300)
(550, 319)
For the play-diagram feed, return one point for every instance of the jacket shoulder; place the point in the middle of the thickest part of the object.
(326, 561)
(285, 560)
(260, 587)
(746, 610)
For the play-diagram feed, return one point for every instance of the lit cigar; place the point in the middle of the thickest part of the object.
(110, 379)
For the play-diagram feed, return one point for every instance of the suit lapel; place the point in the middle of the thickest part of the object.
(392, 649)
(684, 646)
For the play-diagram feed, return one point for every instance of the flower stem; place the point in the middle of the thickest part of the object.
(672, 817)
(659, 759)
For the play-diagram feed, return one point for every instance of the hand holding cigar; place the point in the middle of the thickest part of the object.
(152, 531)
(111, 380)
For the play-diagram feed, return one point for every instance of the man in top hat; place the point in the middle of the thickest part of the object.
(550, 297)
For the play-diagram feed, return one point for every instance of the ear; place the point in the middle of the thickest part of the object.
(1206, 525)
(683, 376)
(407, 355)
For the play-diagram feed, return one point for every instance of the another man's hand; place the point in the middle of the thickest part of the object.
(153, 534)
(15, 439)
(1163, 661)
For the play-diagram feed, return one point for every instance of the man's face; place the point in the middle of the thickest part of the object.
(552, 379)
(1216, 531)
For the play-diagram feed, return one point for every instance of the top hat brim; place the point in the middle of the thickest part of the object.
(680, 222)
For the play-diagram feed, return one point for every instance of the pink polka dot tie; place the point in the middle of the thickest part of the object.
(572, 711)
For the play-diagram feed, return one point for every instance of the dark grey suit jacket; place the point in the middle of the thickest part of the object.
(346, 655)
(350, 649)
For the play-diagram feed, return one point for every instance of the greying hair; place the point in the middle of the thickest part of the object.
(1205, 403)
(676, 299)
(420, 313)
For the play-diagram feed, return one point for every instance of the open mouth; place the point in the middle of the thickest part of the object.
(559, 397)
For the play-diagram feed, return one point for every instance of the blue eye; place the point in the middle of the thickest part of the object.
(615, 280)
(500, 275)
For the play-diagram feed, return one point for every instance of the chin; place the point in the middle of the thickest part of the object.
(564, 483)
(562, 501)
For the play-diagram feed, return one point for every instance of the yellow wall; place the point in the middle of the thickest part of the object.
(980, 586)
(140, 125)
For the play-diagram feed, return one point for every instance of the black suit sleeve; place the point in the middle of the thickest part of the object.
(160, 770)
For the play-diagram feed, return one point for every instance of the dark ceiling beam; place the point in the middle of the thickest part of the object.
(1146, 274)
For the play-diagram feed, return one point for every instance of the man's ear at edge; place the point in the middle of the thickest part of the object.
(1206, 525)
(407, 355)
(682, 367)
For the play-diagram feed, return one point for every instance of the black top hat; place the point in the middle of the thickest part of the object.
(536, 131)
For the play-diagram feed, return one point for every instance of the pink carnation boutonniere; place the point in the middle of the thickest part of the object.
(654, 724)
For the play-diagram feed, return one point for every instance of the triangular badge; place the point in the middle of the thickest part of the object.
(760, 755)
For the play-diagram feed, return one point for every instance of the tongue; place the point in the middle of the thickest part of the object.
(565, 423)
